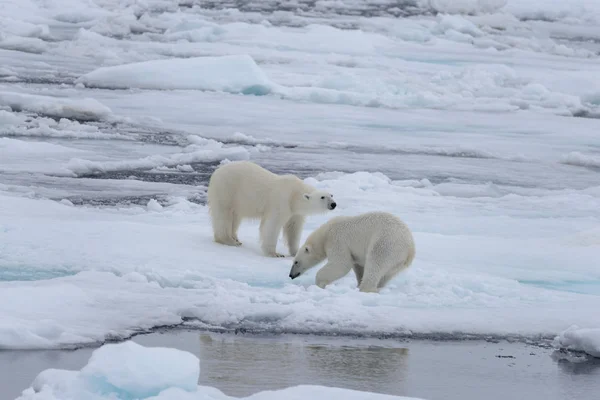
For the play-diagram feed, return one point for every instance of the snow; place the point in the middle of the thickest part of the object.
(476, 125)
(580, 339)
(131, 371)
(233, 74)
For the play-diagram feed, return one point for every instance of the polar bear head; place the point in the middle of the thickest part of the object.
(306, 258)
(317, 202)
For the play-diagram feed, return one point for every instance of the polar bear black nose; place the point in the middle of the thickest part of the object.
(333, 205)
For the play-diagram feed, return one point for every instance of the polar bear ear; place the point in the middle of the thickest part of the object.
(307, 196)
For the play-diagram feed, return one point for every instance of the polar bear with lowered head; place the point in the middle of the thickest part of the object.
(244, 190)
(376, 245)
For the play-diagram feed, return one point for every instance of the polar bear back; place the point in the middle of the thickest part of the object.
(251, 190)
(376, 232)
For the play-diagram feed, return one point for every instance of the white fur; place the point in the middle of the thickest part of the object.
(377, 245)
(241, 190)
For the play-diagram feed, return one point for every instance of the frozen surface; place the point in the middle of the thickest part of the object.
(580, 339)
(162, 263)
(131, 371)
(475, 121)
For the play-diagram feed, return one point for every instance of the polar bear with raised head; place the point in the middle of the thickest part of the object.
(244, 190)
(376, 245)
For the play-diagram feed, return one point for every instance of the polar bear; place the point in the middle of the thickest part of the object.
(242, 189)
(377, 245)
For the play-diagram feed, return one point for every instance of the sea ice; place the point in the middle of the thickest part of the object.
(463, 124)
(166, 268)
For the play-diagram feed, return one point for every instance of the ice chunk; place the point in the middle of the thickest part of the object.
(24, 125)
(467, 6)
(127, 371)
(60, 379)
(303, 392)
(234, 74)
(552, 10)
(580, 339)
(35, 156)
(24, 44)
(211, 150)
(9, 118)
(13, 146)
(154, 205)
(86, 109)
(134, 371)
(457, 23)
(24, 28)
(581, 160)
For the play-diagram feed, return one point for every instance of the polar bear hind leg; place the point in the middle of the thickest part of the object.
(222, 221)
(390, 275)
(377, 266)
(399, 267)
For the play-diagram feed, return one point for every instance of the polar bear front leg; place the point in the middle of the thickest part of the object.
(331, 272)
(292, 231)
(338, 265)
(270, 228)
(235, 226)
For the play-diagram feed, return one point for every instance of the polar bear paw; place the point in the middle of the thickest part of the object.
(229, 242)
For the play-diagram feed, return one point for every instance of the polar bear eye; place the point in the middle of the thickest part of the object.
(322, 197)
(306, 249)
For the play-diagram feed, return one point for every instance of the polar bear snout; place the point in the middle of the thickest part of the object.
(332, 205)
(294, 273)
